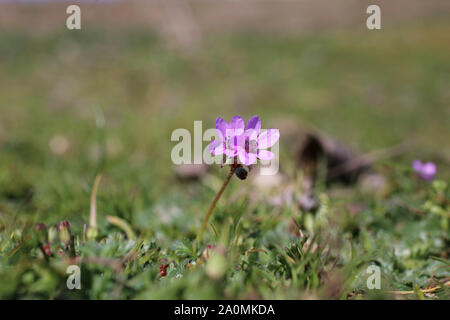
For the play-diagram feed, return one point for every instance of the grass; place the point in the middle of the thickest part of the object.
(77, 104)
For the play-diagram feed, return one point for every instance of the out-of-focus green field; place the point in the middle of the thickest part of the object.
(368, 89)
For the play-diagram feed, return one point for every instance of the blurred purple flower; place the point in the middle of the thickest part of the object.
(425, 170)
(246, 143)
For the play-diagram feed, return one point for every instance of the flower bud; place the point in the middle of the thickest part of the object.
(52, 234)
(241, 173)
(64, 232)
(216, 266)
(92, 233)
(207, 252)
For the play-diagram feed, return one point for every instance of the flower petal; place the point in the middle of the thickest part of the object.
(230, 152)
(216, 147)
(265, 155)
(425, 170)
(254, 123)
(221, 126)
(236, 125)
(246, 157)
(427, 177)
(235, 142)
(251, 135)
(268, 138)
(429, 169)
(417, 165)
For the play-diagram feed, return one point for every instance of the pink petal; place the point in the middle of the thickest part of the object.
(216, 147)
(268, 138)
(237, 125)
(429, 168)
(417, 165)
(239, 141)
(251, 134)
(254, 123)
(231, 152)
(221, 126)
(235, 143)
(265, 155)
(247, 158)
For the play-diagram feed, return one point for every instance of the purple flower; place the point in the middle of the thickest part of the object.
(228, 137)
(247, 143)
(425, 170)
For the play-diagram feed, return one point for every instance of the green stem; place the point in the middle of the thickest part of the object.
(213, 204)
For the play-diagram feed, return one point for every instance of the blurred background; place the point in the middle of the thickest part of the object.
(107, 97)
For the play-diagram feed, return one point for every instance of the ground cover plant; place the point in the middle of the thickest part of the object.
(86, 176)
